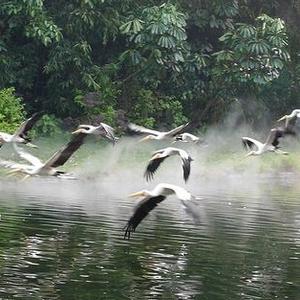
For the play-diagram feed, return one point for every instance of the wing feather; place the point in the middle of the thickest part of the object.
(152, 167)
(141, 129)
(186, 166)
(109, 132)
(61, 156)
(176, 130)
(35, 161)
(141, 211)
(27, 125)
(249, 142)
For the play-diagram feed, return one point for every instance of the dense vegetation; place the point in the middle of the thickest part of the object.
(153, 62)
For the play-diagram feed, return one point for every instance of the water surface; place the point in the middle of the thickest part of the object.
(64, 240)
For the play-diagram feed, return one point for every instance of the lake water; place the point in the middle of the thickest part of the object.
(63, 239)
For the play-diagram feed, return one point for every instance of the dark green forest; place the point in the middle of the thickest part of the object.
(156, 63)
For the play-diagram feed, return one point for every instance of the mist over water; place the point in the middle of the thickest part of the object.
(63, 239)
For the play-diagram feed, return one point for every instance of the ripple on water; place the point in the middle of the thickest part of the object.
(60, 240)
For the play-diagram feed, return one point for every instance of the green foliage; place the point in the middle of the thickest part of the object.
(151, 59)
(151, 110)
(48, 125)
(253, 53)
(157, 36)
(11, 111)
(103, 102)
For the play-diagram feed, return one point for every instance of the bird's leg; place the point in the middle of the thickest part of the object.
(12, 172)
(31, 145)
(249, 154)
(25, 177)
(278, 151)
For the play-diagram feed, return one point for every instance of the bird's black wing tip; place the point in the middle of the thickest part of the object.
(128, 228)
(247, 144)
(148, 175)
(186, 169)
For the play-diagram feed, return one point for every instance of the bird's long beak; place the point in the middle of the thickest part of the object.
(144, 139)
(282, 118)
(248, 154)
(156, 156)
(137, 194)
(77, 131)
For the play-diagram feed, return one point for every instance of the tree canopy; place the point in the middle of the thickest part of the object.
(156, 62)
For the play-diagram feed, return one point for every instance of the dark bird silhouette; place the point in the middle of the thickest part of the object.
(160, 155)
(150, 200)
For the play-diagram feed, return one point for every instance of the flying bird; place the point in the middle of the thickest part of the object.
(270, 145)
(20, 135)
(154, 134)
(160, 155)
(291, 118)
(37, 167)
(101, 130)
(186, 138)
(150, 200)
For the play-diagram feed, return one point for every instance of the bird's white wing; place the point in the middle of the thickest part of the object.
(29, 157)
(110, 132)
(159, 151)
(169, 189)
(141, 129)
(182, 194)
(5, 137)
(176, 130)
(108, 128)
(190, 136)
(250, 142)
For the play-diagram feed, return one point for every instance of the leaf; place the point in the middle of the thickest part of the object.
(125, 28)
(136, 26)
(166, 42)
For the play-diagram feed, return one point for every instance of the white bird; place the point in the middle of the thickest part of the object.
(270, 145)
(37, 167)
(186, 138)
(294, 115)
(20, 135)
(150, 200)
(101, 130)
(160, 155)
(154, 134)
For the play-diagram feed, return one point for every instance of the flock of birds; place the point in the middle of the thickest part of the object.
(150, 199)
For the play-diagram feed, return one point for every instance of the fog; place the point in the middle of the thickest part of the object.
(115, 171)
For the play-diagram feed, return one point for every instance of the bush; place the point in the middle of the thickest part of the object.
(48, 125)
(150, 110)
(11, 110)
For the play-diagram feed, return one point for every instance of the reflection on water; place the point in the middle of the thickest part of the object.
(64, 240)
